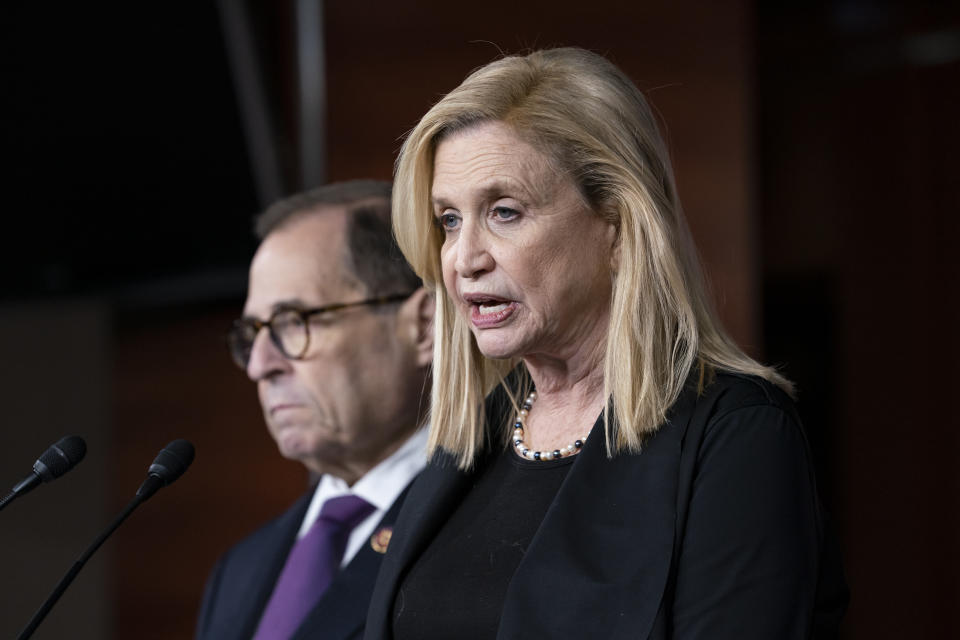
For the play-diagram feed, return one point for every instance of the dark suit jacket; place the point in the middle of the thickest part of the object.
(714, 531)
(241, 583)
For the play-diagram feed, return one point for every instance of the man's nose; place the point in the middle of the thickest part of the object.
(265, 358)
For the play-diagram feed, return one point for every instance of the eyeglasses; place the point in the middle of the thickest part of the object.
(289, 329)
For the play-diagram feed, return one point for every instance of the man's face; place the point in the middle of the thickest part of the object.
(353, 398)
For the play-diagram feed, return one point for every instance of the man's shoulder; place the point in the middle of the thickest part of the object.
(277, 529)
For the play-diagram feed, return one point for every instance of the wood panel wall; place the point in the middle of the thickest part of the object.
(853, 238)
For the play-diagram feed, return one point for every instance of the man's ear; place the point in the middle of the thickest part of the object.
(418, 314)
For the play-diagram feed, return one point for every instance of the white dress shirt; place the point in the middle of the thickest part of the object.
(380, 487)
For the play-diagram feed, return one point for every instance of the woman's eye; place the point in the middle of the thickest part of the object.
(504, 213)
(448, 221)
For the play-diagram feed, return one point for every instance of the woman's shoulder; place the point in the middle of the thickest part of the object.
(739, 419)
(733, 389)
(728, 392)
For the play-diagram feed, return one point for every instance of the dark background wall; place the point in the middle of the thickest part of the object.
(860, 201)
(815, 148)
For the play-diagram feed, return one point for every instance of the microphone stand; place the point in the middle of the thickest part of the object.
(77, 566)
(7, 499)
(169, 465)
(24, 486)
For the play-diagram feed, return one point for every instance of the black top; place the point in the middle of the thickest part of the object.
(458, 586)
(711, 532)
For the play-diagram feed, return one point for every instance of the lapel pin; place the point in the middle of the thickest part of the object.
(381, 539)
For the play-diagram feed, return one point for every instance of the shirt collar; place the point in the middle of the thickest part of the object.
(381, 485)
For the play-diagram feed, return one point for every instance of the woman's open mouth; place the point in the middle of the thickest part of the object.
(487, 312)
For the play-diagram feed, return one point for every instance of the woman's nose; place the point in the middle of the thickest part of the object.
(473, 251)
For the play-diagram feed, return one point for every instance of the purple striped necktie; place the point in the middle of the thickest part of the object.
(311, 565)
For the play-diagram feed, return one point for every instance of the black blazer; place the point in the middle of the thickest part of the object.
(714, 531)
(241, 583)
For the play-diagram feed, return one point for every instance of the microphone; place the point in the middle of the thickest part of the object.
(52, 463)
(169, 465)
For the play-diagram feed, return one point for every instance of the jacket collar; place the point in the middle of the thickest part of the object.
(264, 565)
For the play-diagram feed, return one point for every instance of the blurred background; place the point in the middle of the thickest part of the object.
(815, 145)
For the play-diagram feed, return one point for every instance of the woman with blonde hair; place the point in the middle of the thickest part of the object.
(606, 462)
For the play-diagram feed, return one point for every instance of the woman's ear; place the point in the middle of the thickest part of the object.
(614, 248)
(418, 317)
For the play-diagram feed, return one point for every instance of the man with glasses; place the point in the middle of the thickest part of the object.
(336, 333)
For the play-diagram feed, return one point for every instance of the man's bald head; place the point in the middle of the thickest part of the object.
(370, 252)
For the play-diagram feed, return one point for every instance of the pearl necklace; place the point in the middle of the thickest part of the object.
(529, 454)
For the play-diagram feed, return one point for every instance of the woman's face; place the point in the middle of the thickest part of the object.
(524, 259)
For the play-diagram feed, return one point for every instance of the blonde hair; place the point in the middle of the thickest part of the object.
(586, 115)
